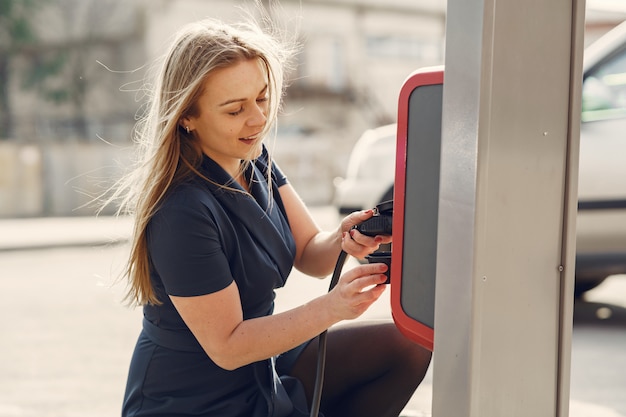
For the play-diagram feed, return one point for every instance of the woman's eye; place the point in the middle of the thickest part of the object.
(241, 109)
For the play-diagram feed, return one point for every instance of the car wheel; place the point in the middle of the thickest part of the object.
(582, 287)
(388, 195)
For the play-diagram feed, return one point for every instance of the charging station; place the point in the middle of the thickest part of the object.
(485, 200)
(416, 197)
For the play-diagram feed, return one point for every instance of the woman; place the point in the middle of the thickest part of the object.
(217, 229)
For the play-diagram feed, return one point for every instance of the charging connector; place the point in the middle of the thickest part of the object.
(381, 223)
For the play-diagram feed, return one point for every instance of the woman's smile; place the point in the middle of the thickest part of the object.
(250, 139)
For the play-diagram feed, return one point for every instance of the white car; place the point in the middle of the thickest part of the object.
(370, 173)
(601, 222)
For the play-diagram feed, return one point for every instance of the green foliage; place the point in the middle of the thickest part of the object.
(57, 95)
(42, 67)
(16, 33)
(15, 24)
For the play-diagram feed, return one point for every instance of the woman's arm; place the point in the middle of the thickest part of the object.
(317, 250)
(216, 319)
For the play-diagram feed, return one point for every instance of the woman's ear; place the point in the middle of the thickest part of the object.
(185, 123)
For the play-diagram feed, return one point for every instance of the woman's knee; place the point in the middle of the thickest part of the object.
(407, 354)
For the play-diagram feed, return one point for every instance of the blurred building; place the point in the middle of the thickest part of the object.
(66, 148)
(71, 133)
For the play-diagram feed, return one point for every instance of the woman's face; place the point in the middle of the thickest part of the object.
(232, 111)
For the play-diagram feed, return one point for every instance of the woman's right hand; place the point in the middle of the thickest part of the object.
(356, 290)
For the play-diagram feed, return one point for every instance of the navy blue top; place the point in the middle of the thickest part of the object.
(202, 238)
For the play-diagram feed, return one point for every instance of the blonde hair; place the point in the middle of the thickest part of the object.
(167, 154)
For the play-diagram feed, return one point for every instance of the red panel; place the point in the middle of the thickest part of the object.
(411, 328)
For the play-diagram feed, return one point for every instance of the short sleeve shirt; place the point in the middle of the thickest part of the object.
(204, 236)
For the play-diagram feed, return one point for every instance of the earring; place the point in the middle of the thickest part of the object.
(187, 129)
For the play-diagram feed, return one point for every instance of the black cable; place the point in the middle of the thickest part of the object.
(321, 348)
(379, 224)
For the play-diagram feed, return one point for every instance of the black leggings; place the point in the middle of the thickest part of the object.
(371, 370)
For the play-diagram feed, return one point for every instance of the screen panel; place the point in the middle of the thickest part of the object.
(416, 203)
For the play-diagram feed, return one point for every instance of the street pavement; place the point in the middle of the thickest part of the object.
(103, 349)
(54, 232)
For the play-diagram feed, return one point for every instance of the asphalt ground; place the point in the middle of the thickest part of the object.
(88, 347)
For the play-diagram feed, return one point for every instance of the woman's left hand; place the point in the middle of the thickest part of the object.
(355, 243)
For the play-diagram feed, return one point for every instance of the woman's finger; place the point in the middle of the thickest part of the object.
(361, 271)
(355, 218)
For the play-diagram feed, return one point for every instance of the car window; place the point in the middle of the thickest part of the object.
(604, 90)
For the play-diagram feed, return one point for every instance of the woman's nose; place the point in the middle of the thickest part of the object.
(258, 116)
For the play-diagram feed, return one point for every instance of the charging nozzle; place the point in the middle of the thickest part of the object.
(377, 225)
(380, 223)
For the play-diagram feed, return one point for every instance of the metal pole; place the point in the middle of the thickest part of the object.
(505, 265)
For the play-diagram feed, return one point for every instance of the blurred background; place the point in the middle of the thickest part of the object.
(71, 73)
(71, 77)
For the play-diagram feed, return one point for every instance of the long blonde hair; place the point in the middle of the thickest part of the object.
(167, 154)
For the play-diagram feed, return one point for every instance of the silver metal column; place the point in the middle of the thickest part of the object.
(505, 264)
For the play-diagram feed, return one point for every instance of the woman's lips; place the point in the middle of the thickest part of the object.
(249, 139)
